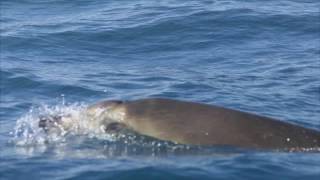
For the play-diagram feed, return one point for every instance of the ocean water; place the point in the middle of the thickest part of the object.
(60, 55)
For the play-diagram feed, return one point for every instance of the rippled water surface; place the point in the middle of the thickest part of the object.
(59, 56)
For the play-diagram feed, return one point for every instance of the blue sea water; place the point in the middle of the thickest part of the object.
(60, 55)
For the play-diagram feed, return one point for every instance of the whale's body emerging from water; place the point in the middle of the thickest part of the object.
(196, 124)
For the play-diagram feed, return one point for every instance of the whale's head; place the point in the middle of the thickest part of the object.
(111, 110)
(104, 116)
(110, 115)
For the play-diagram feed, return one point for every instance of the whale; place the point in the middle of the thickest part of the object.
(192, 123)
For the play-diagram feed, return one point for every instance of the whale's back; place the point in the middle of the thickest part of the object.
(202, 124)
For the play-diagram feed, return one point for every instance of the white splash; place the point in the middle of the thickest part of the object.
(27, 131)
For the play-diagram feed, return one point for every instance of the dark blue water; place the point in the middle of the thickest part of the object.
(60, 55)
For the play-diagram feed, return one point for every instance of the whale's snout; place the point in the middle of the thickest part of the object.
(49, 122)
(55, 123)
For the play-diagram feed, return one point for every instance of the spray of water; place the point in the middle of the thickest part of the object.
(27, 131)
